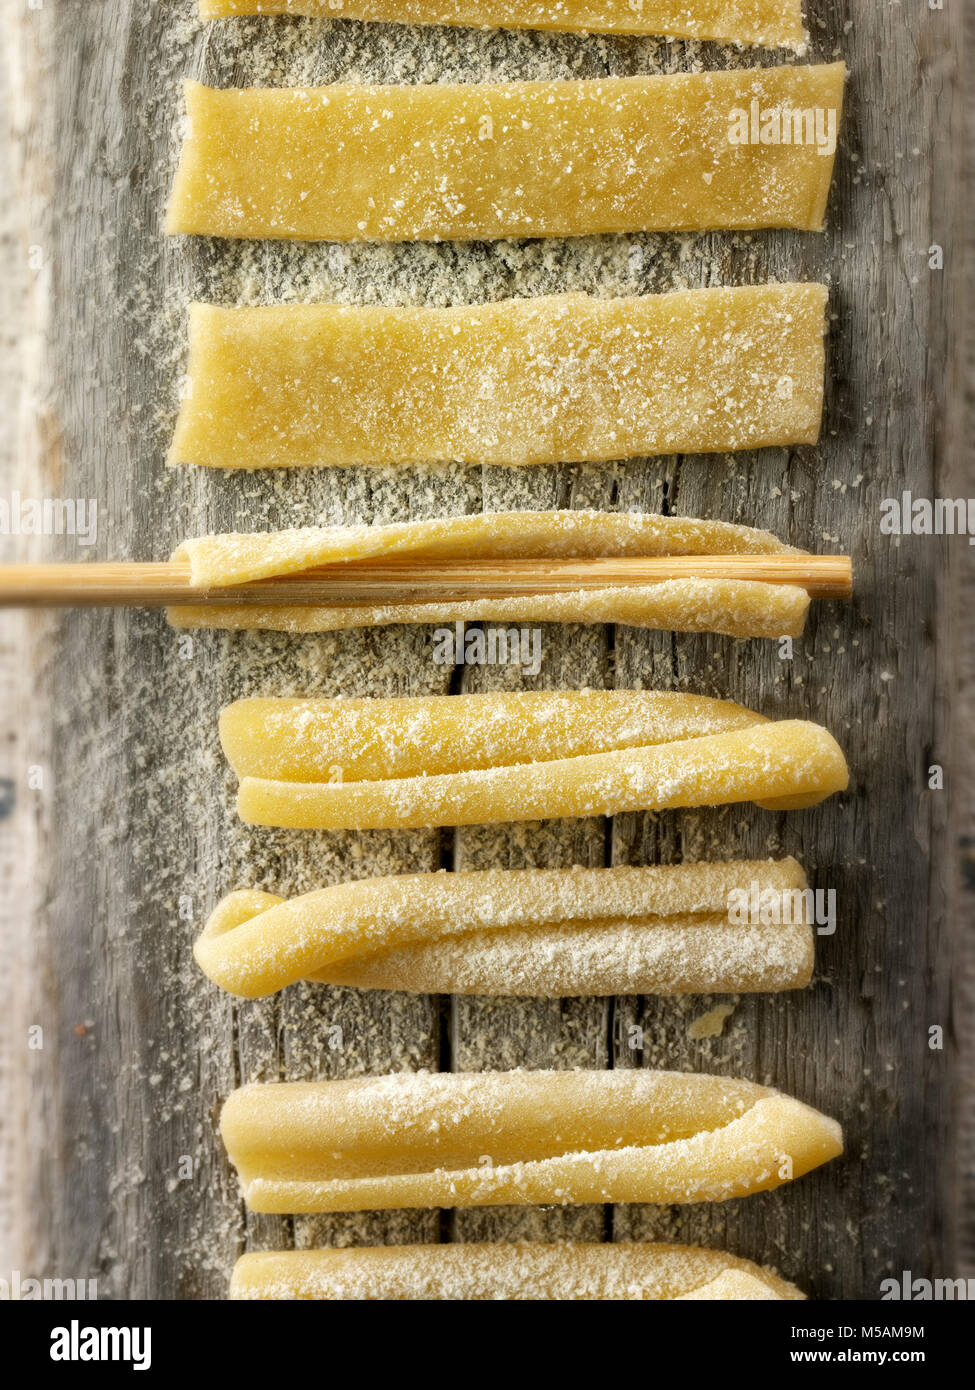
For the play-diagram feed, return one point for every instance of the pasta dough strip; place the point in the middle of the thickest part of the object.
(518, 1271)
(479, 759)
(732, 608)
(364, 739)
(663, 930)
(738, 608)
(567, 378)
(437, 161)
(499, 1138)
(216, 561)
(781, 766)
(769, 23)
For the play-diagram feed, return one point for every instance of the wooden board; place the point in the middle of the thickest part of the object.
(132, 837)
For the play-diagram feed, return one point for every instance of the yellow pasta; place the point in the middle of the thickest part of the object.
(735, 1285)
(731, 607)
(781, 766)
(737, 608)
(770, 23)
(361, 764)
(661, 930)
(499, 1138)
(568, 378)
(437, 161)
(239, 558)
(366, 739)
(531, 1272)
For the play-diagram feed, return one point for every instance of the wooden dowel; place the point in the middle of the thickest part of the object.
(404, 581)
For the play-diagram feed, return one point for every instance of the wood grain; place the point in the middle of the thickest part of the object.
(145, 584)
(132, 838)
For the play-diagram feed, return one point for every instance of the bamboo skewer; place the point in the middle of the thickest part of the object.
(403, 581)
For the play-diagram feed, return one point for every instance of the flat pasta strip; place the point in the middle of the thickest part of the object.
(567, 378)
(518, 1271)
(364, 739)
(359, 764)
(737, 608)
(784, 766)
(730, 607)
(766, 23)
(543, 932)
(476, 161)
(499, 1138)
(239, 558)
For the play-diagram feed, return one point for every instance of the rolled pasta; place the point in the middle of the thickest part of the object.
(737, 608)
(516, 1272)
(499, 1138)
(361, 764)
(566, 378)
(543, 932)
(441, 161)
(769, 23)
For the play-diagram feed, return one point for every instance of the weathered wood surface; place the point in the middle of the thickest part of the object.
(134, 821)
(962, 733)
